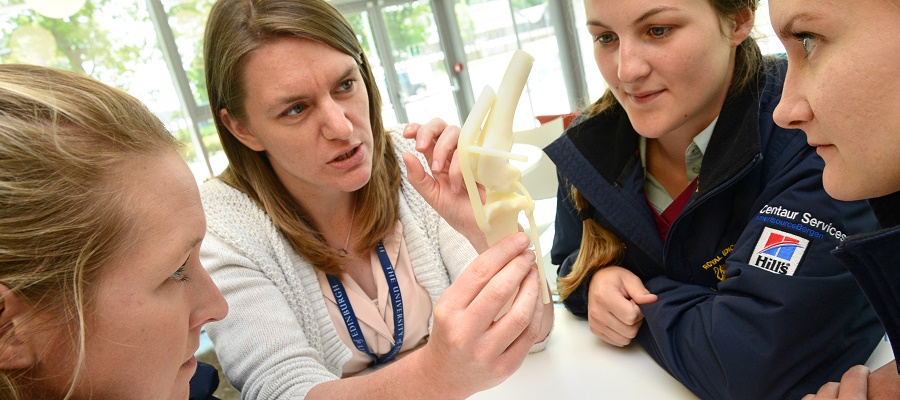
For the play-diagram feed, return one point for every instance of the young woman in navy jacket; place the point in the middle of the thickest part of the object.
(689, 222)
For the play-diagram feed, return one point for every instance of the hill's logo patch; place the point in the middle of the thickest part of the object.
(779, 252)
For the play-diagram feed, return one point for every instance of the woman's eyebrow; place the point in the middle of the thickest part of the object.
(642, 18)
(291, 99)
(787, 30)
(653, 12)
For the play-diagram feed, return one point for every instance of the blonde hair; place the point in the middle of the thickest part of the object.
(62, 138)
(234, 30)
(600, 247)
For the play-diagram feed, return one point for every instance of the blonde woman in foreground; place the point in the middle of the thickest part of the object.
(102, 295)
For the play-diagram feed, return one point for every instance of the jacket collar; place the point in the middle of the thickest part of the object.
(886, 210)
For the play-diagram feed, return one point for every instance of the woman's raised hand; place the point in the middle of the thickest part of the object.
(437, 141)
(444, 190)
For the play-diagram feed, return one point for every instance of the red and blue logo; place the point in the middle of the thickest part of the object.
(778, 252)
(781, 246)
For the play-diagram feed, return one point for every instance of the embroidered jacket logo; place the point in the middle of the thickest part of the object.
(780, 246)
(779, 252)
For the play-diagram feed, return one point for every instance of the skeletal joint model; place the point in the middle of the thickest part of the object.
(484, 155)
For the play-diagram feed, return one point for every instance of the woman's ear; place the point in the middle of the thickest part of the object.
(16, 351)
(742, 25)
(240, 132)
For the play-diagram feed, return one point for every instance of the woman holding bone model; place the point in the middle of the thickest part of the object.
(330, 260)
(695, 225)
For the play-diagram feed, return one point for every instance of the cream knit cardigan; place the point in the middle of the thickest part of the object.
(278, 340)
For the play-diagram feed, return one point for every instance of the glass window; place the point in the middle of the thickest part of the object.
(596, 84)
(360, 23)
(90, 42)
(424, 82)
(187, 19)
(546, 88)
(492, 30)
(764, 33)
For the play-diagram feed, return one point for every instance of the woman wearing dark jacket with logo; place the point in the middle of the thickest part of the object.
(842, 90)
(689, 222)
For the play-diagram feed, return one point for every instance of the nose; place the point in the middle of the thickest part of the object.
(336, 125)
(793, 110)
(632, 64)
(210, 305)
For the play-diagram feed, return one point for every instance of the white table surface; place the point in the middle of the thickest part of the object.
(577, 365)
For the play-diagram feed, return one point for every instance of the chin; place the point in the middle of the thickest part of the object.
(360, 181)
(848, 181)
(183, 394)
(649, 125)
(850, 189)
(650, 132)
(841, 192)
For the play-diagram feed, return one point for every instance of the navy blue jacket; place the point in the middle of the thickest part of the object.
(874, 260)
(204, 382)
(751, 303)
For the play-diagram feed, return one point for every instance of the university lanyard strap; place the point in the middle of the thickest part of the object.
(349, 317)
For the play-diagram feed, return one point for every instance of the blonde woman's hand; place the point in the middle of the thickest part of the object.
(468, 351)
(613, 298)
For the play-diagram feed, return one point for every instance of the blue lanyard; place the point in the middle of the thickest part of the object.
(349, 317)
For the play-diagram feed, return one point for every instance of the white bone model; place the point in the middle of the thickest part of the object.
(484, 155)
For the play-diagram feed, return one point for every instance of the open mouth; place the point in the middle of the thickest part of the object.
(347, 155)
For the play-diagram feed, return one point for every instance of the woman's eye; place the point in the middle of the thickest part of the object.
(346, 85)
(605, 38)
(180, 275)
(295, 110)
(809, 43)
(659, 31)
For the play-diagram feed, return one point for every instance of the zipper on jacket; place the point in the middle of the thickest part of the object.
(708, 195)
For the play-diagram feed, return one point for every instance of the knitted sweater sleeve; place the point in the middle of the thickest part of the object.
(270, 345)
(261, 345)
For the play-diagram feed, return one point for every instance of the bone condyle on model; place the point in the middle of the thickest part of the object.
(484, 155)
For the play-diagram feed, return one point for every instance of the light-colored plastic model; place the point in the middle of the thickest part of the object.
(484, 154)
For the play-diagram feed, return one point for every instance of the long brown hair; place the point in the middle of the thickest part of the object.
(237, 28)
(600, 247)
(63, 137)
